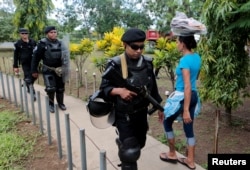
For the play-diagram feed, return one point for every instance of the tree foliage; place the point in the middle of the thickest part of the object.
(74, 14)
(243, 21)
(225, 69)
(79, 54)
(142, 21)
(32, 14)
(6, 26)
(69, 19)
(104, 15)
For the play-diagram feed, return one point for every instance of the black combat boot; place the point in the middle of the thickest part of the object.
(51, 102)
(129, 166)
(59, 98)
(28, 88)
(34, 92)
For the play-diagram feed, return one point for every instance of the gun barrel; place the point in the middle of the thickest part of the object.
(154, 102)
(112, 75)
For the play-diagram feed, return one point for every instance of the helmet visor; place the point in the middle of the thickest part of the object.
(103, 122)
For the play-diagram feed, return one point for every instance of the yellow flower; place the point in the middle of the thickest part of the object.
(74, 48)
(118, 31)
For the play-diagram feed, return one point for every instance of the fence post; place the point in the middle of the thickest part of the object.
(94, 87)
(40, 112)
(103, 165)
(58, 132)
(26, 99)
(8, 86)
(14, 90)
(21, 95)
(68, 137)
(32, 104)
(1, 74)
(77, 83)
(4, 65)
(48, 120)
(83, 149)
(86, 83)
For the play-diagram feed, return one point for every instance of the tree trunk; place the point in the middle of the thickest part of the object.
(228, 116)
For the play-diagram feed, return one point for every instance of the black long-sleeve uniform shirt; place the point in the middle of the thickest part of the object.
(23, 52)
(107, 85)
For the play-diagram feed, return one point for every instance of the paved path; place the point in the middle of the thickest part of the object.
(96, 139)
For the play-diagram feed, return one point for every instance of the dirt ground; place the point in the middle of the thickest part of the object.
(44, 156)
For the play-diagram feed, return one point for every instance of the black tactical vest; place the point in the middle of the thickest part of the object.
(53, 53)
(139, 75)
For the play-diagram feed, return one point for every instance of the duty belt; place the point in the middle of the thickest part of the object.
(57, 70)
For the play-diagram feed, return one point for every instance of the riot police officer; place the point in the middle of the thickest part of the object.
(23, 55)
(130, 107)
(55, 61)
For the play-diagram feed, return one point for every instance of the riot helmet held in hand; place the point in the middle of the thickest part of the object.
(97, 106)
(100, 110)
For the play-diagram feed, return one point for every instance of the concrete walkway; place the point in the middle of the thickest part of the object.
(96, 139)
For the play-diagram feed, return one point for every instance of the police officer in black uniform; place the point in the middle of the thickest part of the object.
(23, 55)
(49, 50)
(131, 108)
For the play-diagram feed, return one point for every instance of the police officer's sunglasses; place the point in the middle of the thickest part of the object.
(136, 47)
(24, 33)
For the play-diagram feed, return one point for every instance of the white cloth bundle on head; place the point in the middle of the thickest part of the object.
(182, 25)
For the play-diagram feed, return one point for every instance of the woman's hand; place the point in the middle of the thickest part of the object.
(186, 117)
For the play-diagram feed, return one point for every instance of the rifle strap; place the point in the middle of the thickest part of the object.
(124, 66)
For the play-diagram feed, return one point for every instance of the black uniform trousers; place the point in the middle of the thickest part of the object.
(132, 125)
(28, 78)
(57, 84)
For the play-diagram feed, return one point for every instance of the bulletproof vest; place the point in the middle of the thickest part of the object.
(139, 71)
(53, 53)
(25, 49)
(139, 75)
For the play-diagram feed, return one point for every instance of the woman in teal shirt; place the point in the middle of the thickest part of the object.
(187, 72)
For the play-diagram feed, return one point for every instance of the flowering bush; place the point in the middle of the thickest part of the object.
(166, 57)
(111, 45)
(79, 53)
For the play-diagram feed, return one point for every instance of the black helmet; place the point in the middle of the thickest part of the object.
(97, 106)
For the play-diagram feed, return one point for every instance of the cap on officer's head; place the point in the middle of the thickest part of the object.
(133, 35)
(49, 28)
(23, 30)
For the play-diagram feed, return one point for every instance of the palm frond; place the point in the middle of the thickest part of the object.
(241, 23)
(245, 8)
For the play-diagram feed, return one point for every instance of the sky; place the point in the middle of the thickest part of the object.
(57, 3)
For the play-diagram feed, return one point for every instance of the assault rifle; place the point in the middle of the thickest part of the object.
(115, 77)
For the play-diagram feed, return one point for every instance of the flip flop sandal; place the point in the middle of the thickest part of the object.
(182, 161)
(167, 159)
